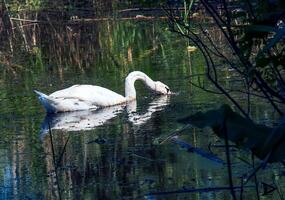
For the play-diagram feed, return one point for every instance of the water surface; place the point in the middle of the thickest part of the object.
(113, 153)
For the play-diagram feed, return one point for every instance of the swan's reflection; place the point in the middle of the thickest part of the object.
(157, 104)
(88, 120)
(79, 120)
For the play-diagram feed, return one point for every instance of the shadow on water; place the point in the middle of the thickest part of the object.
(264, 142)
(260, 139)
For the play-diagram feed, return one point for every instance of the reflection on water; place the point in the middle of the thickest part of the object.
(157, 104)
(90, 119)
(79, 120)
(265, 142)
(112, 153)
(112, 167)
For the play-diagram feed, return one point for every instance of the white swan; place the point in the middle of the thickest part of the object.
(85, 97)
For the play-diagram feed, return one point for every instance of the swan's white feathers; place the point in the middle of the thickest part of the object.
(90, 94)
(79, 97)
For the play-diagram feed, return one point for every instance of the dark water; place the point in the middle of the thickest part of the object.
(114, 153)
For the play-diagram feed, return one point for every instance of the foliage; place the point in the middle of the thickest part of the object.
(265, 142)
(261, 139)
(254, 33)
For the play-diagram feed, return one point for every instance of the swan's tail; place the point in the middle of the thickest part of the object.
(46, 101)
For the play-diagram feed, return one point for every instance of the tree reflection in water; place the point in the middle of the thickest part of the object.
(105, 166)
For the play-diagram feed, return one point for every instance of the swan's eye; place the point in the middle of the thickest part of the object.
(167, 89)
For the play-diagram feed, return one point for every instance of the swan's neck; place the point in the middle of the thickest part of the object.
(130, 91)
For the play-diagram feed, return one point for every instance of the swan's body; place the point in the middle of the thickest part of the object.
(85, 97)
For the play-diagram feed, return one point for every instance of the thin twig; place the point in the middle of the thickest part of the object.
(229, 165)
(175, 133)
(54, 162)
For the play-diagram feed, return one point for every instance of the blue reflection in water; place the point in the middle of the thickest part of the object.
(7, 188)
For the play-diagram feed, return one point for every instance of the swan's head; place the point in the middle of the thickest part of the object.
(161, 88)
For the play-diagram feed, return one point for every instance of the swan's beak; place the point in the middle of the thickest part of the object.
(169, 92)
(161, 88)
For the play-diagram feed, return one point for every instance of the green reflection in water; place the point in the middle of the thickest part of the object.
(119, 158)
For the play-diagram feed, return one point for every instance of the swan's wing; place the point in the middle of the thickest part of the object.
(61, 104)
(97, 96)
